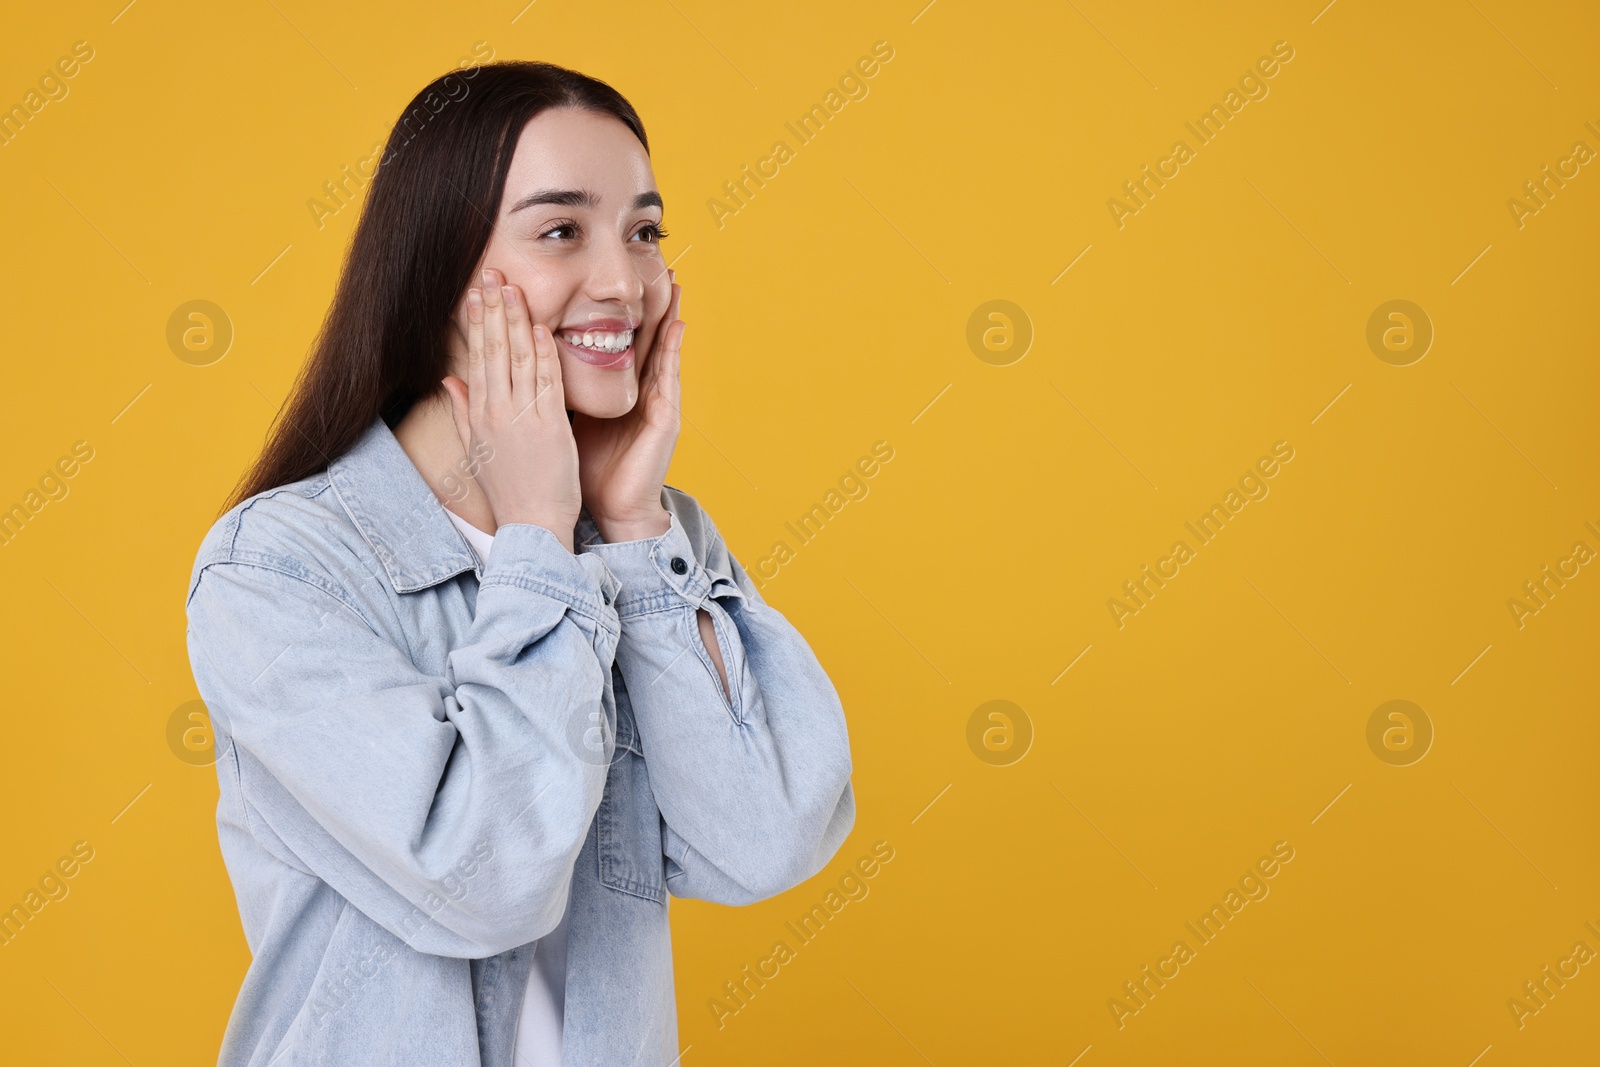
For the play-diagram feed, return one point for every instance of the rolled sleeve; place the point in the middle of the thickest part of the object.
(657, 573)
(753, 783)
(528, 556)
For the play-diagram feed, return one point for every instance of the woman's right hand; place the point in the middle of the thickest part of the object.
(513, 402)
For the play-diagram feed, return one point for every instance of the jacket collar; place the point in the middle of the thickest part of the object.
(386, 497)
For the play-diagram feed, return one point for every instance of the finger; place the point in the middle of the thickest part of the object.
(549, 393)
(673, 365)
(520, 339)
(653, 370)
(675, 303)
(669, 380)
(476, 382)
(496, 348)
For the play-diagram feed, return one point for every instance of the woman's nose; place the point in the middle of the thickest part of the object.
(614, 273)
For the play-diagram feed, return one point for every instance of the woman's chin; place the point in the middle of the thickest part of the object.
(603, 403)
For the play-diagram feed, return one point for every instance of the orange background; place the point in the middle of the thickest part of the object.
(1039, 861)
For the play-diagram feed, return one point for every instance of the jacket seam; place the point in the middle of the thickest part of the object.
(287, 568)
(238, 785)
(656, 604)
(633, 888)
(576, 601)
(233, 554)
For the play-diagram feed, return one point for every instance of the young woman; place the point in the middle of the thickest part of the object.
(485, 689)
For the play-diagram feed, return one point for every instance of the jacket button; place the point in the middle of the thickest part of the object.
(678, 565)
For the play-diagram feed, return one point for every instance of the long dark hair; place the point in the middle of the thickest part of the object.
(429, 215)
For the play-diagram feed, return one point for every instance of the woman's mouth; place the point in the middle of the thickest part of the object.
(606, 349)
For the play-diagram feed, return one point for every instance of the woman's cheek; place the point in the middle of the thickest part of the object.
(659, 290)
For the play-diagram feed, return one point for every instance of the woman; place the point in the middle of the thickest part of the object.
(485, 689)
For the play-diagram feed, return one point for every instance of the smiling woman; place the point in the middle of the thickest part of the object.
(440, 627)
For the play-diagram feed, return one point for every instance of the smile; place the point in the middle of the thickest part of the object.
(601, 348)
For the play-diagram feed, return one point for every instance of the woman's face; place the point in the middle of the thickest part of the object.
(578, 232)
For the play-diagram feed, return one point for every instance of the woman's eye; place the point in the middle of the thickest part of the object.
(559, 227)
(652, 233)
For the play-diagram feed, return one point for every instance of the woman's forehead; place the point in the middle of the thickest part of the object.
(574, 149)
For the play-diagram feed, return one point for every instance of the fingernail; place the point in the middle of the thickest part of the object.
(474, 298)
(488, 276)
(509, 293)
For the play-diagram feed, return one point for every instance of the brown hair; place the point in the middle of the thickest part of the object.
(429, 215)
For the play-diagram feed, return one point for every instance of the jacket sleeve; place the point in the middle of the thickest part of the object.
(451, 809)
(754, 792)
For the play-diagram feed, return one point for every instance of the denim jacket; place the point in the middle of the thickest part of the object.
(423, 758)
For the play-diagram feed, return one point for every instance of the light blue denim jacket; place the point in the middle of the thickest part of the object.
(422, 757)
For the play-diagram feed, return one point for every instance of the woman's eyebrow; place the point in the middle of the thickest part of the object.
(581, 198)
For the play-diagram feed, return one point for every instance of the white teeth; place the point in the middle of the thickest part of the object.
(599, 340)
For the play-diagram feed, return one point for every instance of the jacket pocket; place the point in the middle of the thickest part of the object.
(628, 831)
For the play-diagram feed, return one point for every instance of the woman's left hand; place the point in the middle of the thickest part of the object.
(622, 462)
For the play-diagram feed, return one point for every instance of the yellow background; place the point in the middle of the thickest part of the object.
(829, 313)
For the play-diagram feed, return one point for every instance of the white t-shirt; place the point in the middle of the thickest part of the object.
(538, 1039)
